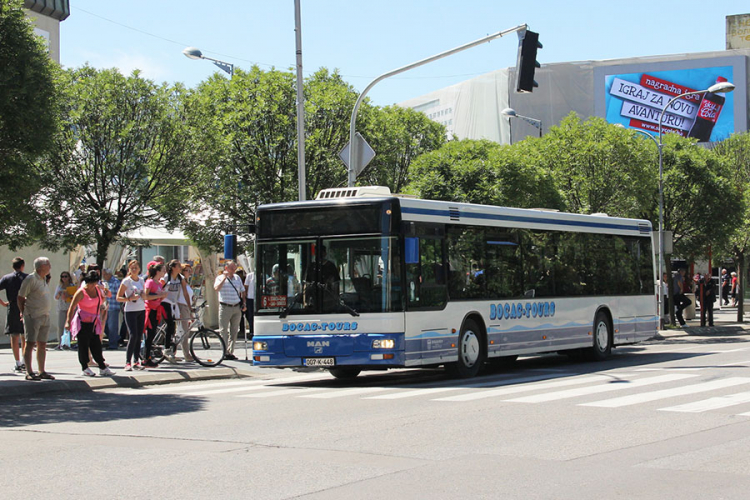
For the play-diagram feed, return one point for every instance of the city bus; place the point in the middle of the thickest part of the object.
(362, 279)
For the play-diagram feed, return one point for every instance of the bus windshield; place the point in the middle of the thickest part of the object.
(350, 275)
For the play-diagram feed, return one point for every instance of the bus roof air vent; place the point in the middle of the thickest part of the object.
(353, 192)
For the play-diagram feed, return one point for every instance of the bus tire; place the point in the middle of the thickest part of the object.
(602, 347)
(344, 373)
(471, 351)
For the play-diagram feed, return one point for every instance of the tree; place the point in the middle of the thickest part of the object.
(27, 121)
(598, 167)
(247, 135)
(398, 136)
(736, 153)
(483, 172)
(121, 160)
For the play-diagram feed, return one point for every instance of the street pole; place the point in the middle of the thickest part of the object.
(353, 149)
(300, 104)
(720, 87)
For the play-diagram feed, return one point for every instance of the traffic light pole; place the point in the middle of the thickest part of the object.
(353, 152)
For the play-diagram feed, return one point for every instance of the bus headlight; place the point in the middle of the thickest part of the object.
(383, 344)
(260, 346)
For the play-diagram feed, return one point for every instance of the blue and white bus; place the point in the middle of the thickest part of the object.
(360, 279)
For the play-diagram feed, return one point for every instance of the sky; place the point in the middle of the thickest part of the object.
(365, 39)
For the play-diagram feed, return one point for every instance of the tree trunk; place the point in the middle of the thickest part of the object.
(740, 259)
(670, 285)
(102, 246)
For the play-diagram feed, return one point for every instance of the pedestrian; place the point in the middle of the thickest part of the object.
(707, 296)
(34, 305)
(680, 300)
(130, 294)
(85, 323)
(123, 325)
(153, 294)
(726, 283)
(112, 326)
(185, 306)
(63, 296)
(11, 283)
(231, 305)
(734, 289)
(78, 274)
(250, 301)
(241, 274)
(174, 284)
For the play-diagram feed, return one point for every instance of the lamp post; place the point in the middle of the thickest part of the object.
(193, 53)
(719, 87)
(511, 113)
(353, 149)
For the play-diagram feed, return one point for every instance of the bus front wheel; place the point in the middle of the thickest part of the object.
(602, 347)
(345, 373)
(471, 352)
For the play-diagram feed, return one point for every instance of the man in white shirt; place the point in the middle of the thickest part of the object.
(34, 304)
(231, 305)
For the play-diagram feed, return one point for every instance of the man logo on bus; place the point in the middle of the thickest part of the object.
(519, 310)
(318, 343)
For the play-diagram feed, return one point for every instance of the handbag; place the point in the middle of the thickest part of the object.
(65, 340)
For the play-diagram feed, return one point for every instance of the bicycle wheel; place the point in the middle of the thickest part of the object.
(207, 347)
(157, 348)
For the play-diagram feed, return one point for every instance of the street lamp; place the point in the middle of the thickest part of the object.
(193, 53)
(511, 113)
(353, 144)
(719, 87)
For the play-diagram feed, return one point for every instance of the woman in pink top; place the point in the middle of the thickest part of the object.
(152, 294)
(85, 324)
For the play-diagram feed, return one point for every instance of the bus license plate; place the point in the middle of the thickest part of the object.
(319, 362)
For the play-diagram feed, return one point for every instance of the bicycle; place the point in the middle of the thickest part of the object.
(206, 346)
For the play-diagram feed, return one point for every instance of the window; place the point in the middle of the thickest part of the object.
(425, 271)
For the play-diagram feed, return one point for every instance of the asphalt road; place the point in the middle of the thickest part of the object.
(662, 420)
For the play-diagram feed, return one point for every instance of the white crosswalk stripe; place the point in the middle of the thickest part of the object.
(646, 397)
(515, 389)
(712, 403)
(596, 389)
(342, 393)
(292, 391)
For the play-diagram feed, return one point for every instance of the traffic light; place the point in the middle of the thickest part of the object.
(528, 43)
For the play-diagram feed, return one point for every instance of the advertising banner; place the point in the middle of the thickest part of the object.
(636, 100)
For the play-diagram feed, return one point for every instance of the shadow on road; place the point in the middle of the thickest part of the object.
(92, 407)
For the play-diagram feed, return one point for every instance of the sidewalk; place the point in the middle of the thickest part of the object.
(725, 323)
(67, 372)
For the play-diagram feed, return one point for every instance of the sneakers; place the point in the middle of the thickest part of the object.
(150, 364)
(170, 358)
(19, 368)
(106, 372)
(88, 372)
(138, 366)
(128, 367)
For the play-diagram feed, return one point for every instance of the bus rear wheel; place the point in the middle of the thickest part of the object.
(345, 373)
(471, 351)
(602, 347)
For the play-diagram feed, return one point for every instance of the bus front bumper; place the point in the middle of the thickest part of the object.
(377, 350)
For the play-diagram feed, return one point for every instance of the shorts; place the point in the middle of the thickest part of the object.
(13, 323)
(37, 329)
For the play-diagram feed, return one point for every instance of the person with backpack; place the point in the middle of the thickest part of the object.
(175, 285)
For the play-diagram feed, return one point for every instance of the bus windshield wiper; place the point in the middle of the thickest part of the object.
(290, 305)
(338, 298)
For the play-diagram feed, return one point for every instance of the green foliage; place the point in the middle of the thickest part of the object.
(121, 161)
(700, 202)
(398, 136)
(27, 121)
(483, 172)
(598, 167)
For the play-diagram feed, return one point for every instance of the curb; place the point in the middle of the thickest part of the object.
(27, 388)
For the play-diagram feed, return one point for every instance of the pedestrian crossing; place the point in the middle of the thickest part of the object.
(604, 390)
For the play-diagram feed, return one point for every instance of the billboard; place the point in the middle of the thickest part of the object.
(635, 96)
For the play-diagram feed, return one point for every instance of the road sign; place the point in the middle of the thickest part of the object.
(366, 154)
